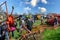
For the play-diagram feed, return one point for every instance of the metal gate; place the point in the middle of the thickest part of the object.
(31, 36)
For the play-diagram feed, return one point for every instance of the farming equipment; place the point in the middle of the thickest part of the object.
(50, 21)
(7, 15)
(31, 36)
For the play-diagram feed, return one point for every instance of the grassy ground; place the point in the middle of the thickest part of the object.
(46, 35)
(51, 34)
(16, 34)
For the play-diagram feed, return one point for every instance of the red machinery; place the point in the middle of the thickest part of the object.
(50, 21)
(10, 19)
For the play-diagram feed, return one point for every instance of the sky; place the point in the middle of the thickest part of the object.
(33, 6)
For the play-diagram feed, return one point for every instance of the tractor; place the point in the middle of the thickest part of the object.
(50, 21)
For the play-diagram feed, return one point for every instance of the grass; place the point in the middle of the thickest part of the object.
(16, 34)
(51, 34)
(46, 35)
(37, 22)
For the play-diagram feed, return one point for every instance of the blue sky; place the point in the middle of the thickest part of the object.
(33, 6)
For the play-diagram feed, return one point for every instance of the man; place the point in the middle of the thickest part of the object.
(55, 22)
(2, 32)
(5, 30)
(23, 25)
(10, 23)
(29, 24)
(33, 18)
(42, 20)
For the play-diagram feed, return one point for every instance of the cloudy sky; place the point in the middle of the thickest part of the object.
(33, 6)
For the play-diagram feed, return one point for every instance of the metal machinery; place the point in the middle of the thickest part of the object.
(50, 21)
(9, 18)
(5, 3)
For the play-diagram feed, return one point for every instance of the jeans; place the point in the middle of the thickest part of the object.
(12, 33)
(0, 37)
(6, 35)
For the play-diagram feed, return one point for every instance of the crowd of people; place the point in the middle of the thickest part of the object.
(9, 26)
(52, 20)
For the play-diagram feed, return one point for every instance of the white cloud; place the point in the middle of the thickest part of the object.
(27, 8)
(39, 7)
(44, 1)
(27, 2)
(42, 9)
(33, 2)
(20, 3)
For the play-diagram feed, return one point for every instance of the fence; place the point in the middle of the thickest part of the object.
(31, 36)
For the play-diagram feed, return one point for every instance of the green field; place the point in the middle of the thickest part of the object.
(51, 34)
(16, 34)
(46, 35)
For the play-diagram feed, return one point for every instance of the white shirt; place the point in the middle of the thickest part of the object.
(23, 22)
